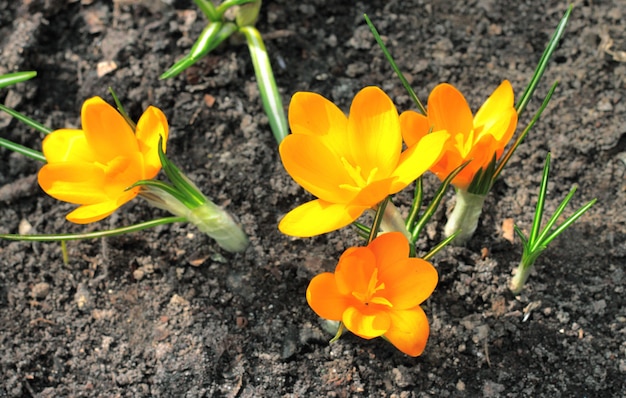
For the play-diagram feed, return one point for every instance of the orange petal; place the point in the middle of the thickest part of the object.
(107, 133)
(354, 270)
(374, 132)
(324, 298)
(408, 282)
(389, 248)
(312, 114)
(448, 110)
(67, 145)
(418, 158)
(91, 213)
(152, 125)
(315, 167)
(414, 126)
(366, 325)
(318, 217)
(73, 182)
(408, 331)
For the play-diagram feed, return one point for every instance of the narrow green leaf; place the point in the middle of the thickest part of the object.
(31, 153)
(543, 62)
(541, 199)
(191, 196)
(378, 219)
(16, 77)
(394, 66)
(121, 110)
(570, 220)
(92, 235)
(26, 120)
(418, 196)
(440, 246)
(208, 9)
(272, 102)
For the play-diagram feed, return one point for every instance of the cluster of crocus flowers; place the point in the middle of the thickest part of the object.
(111, 160)
(349, 163)
(377, 291)
(480, 139)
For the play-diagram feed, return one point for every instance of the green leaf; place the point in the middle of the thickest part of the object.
(92, 235)
(31, 153)
(394, 66)
(26, 120)
(16, 77)
(543, 62)
(272, 102)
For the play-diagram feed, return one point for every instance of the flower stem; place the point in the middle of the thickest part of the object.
(521, 276)
(464, 217)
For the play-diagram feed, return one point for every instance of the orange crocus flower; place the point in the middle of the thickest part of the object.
(377, 291)
(476, 138)
(349, 163)
(94, 167)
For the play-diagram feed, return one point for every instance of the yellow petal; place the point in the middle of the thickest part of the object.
(374, 193)
(324, 298)
(151, 126)
(312, 114)
(107, 133)
(419, 158)
(414, 126)
(408, 282)
(91, 213)
(66, 145)
(318, 217)
(448, 110)
(315, 167)
(408, 331)
(498, 107)
(73, 182)
(364, 324)
(374, 132)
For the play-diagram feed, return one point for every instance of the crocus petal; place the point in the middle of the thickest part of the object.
(418, 158)
(409, 330)
(372, 194)
(414, 127)
(66, 145)
(354, 270)
(389, 248)
(91, 213)
(324, 297)
(499, 104)
(448, 110)
(408, 282)
(366, 325)
(374, 132)
(73, 182)
(312, 114)
(318, 217)
(152, 126)
(315, 167)
(106, 131)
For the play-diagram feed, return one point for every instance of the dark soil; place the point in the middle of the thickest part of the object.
(166, 313)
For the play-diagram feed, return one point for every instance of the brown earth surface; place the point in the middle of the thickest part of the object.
(166, 313)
